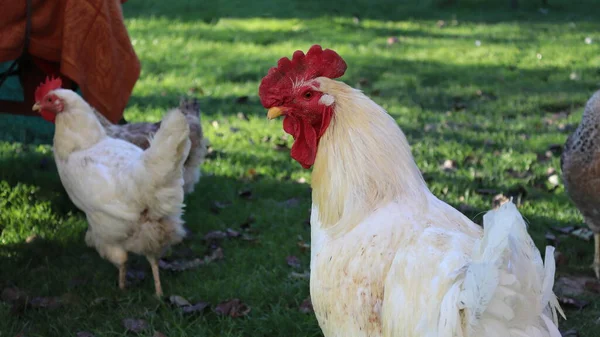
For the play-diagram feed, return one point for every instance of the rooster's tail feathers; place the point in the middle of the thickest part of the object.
(507, 285)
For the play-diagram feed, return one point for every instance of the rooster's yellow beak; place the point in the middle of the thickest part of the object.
(36, 107)
(274, 112)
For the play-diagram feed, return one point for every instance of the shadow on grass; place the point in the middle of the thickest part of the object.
(477, 11)
(433, 86)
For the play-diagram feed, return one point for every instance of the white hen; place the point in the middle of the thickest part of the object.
(133, 199)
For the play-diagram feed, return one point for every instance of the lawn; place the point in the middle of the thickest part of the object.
(489, 91)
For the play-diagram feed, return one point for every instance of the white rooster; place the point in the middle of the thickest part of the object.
(133, 199)
(388, 258)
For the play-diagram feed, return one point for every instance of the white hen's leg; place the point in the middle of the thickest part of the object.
(122, 276)
(118, 256)
(596, 264)
(155, 273)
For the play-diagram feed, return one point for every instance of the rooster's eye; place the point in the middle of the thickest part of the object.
(308, 95)
(49, 99)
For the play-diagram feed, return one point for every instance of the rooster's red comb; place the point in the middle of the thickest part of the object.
(316, 63)
(47, 86)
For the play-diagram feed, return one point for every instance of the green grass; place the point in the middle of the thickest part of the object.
(486, 107)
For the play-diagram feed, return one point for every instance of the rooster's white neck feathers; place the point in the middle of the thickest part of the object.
(363, 161)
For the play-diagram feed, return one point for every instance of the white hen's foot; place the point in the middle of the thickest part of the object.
(155, 273)
(596, 264)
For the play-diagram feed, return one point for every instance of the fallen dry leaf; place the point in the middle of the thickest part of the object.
(233, 308)
(306, 306)
(249, 221)
(545, 156)
(193, 90)
(134, 276)
(518, 193)
(551, 239)
(566, 286)
(553, 180)
(518, 174)
(249, 238)
(449, 165)
(215, 235)
(78, 281)
(98, 301)
(181, 251)
(363, 81)
(232, 233)
(485, 95)
(217, 254)
(569, 333)
(392, 40)
(245, 194)
(251, 172)
(560, 258)
(486, 191)
(135, 325)
(85, 334)
(593, 286)
(564, 230)
(304, 246)
(583, 233)
(466, 208)
(44, 163)
(242, 99)
(45, 302)
(304, 276)
(293, 202)
(556, 149)
(293, 261)
(281, 146)
(572, 302)
(185, 305)
(179, 301)
(458, 104)
(181, 265)
(198, 307)
(499, 200)
(217, 206)
(12, 294)
(430, 127)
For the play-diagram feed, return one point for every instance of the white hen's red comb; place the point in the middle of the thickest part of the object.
(47, 86)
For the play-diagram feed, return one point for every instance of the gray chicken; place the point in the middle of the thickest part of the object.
(139, 134)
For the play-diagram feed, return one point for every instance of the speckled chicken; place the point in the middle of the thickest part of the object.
(140, 133)
(580, 164)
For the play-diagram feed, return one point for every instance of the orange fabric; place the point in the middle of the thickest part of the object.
(89, 40)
